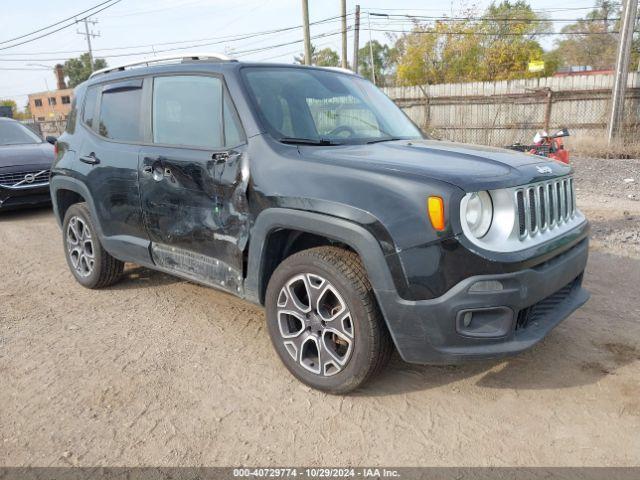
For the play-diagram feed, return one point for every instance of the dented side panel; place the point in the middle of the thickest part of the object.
(195, 209)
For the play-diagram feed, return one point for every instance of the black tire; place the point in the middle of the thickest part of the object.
(371, 344)
(105, 270)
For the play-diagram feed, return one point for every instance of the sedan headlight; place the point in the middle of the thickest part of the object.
(478, 213)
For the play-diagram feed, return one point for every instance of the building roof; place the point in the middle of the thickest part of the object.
(49, 92)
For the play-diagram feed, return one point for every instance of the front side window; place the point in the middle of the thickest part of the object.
(192, 110)
(120, 113)
(14, 133)
(320, 105)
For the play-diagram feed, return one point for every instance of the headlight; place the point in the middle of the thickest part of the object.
(479, 213)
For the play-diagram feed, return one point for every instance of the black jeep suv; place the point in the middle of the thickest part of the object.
(308, 191)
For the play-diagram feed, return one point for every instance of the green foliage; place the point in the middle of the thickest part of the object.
(326, 57)
(77, 70)
(9, 103)
(598, 47)
(383, 62)
(489, 48)
(17, 114)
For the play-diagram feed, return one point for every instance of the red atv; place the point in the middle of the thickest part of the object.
(546, 145)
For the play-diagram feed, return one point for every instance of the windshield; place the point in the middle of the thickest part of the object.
(301, 105)
(13, 133)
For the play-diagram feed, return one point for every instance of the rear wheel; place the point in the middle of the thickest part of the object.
(324, 321)
(89, 262)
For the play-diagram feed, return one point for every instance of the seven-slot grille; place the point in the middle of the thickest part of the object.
(544, 206)
(17, 179)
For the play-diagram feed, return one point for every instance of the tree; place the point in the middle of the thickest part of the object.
(17, 114)
(77, 70)
(417, 61)
(598, 46)
(383, 61)
(10, 103)
(326, 57)
(497, 46)
(509, 31)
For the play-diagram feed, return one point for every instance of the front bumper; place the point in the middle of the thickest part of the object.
(24, 197)
(533, 301)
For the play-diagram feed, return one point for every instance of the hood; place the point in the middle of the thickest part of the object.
(36, 154)
(470, 167)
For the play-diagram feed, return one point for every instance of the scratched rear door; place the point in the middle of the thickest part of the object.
(193, 181)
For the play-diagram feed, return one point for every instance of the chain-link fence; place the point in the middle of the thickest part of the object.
(506, 112)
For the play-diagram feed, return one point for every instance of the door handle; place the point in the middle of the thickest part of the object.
(90, 159)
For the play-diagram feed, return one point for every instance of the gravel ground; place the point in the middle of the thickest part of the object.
(159, 371)
(609, 193)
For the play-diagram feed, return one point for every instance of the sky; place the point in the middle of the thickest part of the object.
(138, 28)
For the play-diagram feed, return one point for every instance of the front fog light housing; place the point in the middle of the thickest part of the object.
(478, 213)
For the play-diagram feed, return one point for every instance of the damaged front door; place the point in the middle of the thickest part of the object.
(193, 181)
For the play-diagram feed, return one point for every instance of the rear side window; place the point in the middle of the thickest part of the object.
(120, 112)
(89, 108)
(195, 111)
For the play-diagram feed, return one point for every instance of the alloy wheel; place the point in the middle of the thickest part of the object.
(315, 324)
(80, 246)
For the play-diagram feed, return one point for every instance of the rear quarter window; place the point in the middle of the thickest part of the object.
(71, 118)
(89, 109)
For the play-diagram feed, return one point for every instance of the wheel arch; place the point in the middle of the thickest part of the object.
(279, 232)
(65, 191)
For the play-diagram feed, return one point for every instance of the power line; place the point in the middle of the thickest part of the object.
(53, 24)
(286, 44)
(217, 40)
(492, 19)
(291, 52)
(26, 69)
(552, 9)
(61, 28)
(494, 34)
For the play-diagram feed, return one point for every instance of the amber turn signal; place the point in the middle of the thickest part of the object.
(435, 205)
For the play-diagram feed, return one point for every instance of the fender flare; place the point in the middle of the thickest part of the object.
(349, 233)
(72, 184)
(123, 247)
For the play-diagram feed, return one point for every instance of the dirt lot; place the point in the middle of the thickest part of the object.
(158, 371)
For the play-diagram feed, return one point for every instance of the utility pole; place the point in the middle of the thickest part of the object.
(89, 35)
(373, 70)
(307, 33)
(622, 69)
(356, 40)
(343, 12)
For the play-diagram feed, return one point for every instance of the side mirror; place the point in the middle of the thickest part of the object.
(52, 140)
(562, 133)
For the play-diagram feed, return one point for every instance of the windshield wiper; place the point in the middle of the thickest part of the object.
(306, 141)
(385, 139)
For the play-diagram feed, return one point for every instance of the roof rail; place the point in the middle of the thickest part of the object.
(185, 57)
(340, 69)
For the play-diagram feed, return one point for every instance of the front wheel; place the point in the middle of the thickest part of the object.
(324, 321)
